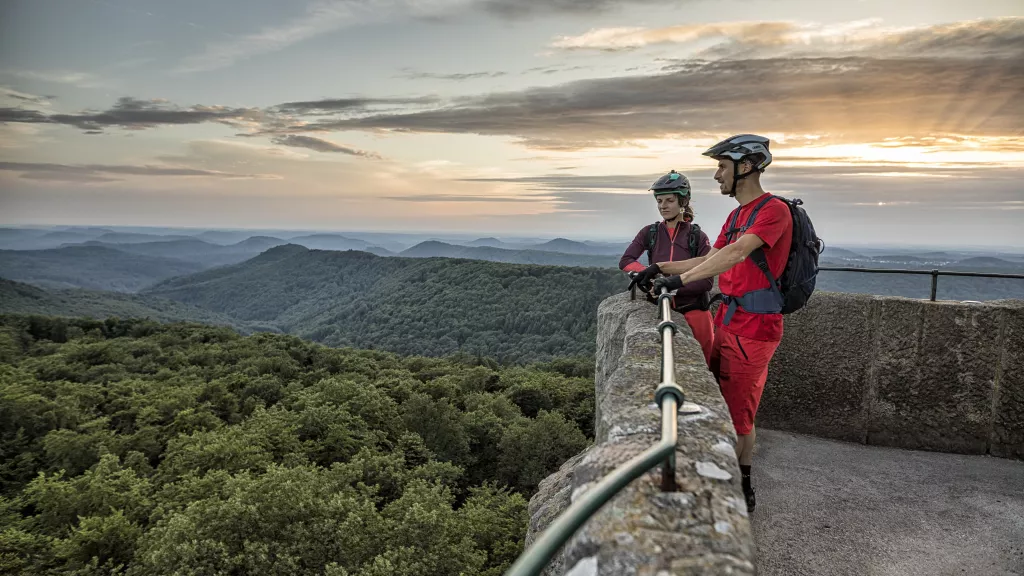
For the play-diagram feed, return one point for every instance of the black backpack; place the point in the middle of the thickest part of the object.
(692, 241)
(796, 285)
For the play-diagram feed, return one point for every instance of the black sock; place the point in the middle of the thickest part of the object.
(745, 471)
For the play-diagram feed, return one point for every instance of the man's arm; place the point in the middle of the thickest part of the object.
(676, 268)
(718, 261)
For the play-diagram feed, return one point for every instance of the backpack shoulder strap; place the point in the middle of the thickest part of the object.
(733, 217)
(754, 213)
(758, 255)
(733, 231)
(694, 239)
(759, 258)
(652, 238)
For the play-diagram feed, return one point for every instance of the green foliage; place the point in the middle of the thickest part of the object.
(515, 313)
(94, 267)
(133, 448)
(530, 452)
(22, 299)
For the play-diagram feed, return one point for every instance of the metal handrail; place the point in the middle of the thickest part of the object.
(935, 273)
(669, 396)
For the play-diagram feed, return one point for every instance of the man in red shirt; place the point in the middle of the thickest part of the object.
(671, 241)
(748, 325)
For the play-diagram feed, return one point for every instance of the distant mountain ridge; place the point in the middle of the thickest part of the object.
(93, 267)
(194, 250)
(988, 262)
(18, 298)
(566, 246)
(488, 242)
(434, 249)
(259, 243)
(134, 238)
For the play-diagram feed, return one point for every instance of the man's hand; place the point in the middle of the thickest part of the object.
(643, 279)
(669, 283)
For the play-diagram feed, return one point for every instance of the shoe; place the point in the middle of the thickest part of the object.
(751, 500)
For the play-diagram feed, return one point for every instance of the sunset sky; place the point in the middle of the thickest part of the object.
(895, 121)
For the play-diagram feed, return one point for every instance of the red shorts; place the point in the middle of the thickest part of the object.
(703, 327)
(741, 367)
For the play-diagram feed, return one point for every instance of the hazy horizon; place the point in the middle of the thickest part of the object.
(898, 124)
(466, 236)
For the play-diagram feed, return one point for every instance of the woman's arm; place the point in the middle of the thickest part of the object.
(629, 261)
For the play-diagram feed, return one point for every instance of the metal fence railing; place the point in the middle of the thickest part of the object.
(671, 401)
(933, 273)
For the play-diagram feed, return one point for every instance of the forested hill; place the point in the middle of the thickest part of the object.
(139, 449)
(92, 267)
(430, 306)
(23, 299)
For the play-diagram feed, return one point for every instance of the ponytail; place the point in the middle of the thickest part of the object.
(688, 212)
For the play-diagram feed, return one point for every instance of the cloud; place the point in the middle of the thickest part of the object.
(109, 173)
(844, 99)
(23, 98)
(990, 38)
(69, 77)
(321, 145)
(413, 75)
(22, 115)
(777, 177)
(964, 89)
(355, 104)
(631, 38)
(320, 17)
(466, 198)
(569, 182)
(546, 70)
(524, 8)
(135, 114)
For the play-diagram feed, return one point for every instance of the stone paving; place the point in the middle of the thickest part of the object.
(834, 508)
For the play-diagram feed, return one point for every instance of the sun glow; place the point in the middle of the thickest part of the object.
(947, 152)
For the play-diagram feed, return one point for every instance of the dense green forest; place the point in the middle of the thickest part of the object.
(429, 306)
(432, 306)
(18, 298)
(136, 448)
(93, 267)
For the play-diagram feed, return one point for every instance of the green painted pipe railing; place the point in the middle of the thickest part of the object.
(670, 399)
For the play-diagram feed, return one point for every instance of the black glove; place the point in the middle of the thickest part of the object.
(669, 283)
(643, 279)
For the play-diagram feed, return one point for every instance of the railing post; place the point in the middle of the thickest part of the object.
(935, 283)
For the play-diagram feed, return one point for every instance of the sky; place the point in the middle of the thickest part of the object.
(895, 122)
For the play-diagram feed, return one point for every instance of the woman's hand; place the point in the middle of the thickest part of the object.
(644, 279)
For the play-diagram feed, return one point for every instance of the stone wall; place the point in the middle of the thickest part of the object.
(944, 376)
(703, 528)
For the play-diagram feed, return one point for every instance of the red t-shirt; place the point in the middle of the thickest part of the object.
(774, 226)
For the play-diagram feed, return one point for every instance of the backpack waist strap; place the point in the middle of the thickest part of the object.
(763, 301)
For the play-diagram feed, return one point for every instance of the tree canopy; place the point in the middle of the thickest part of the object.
(136, 448)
